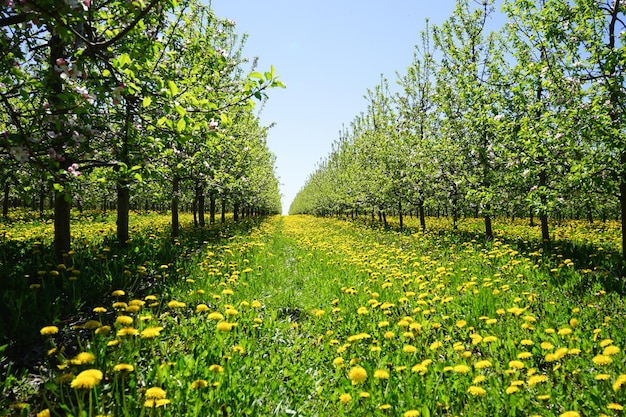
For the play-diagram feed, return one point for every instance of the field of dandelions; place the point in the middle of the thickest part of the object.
(304, 316)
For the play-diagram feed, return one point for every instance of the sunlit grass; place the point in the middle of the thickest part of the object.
(309, 316)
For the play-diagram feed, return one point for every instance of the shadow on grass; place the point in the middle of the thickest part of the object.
(605, 269)
(35, 291)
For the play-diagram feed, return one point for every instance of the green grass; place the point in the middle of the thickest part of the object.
(281, 316)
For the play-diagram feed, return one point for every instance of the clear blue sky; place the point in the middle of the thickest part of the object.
(328, 53)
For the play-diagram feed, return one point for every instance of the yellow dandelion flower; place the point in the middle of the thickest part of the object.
(338, 361)
(547, 346)
(536, 379)
(364, 394)
(482, 364)
(615, 406)
(362, 310)
(49, 330)
(566, 331)
(44, 413)
(199, 384)
(411, 413)
(619, 382)
(512, 389)
(92, 324)
(389, 335)
(409, 349)
(570, 414)
(476, 391)
(118, 293)
(357, 375)
(602, 377)
(99, 310)
(516, 365)
(215, 316)
(462, 369)
(606, 342)
(127, 331)
(156, 403)
(104, 330)
(384, 407)
(120, 305)
(601, 360)
(224, 326)
(435, 345)
(231, 312)
(201, 308)
(527, 342)
(123, 367)
(611, 350)
(216, 368)
(381, 374)
(420, 368)
(155, 393)
(176, 304)
(345, 398)
(478, 379)
(84, 358)
(461, 323)
(124, 320)
(543, 397)
(151, 332)
(87, 379)
(524, 355)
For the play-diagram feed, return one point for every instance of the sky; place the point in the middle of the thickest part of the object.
(328, 53)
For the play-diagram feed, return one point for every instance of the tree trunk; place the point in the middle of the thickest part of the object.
(212, 208)
(123, 208)
(543, 216)
(5, 201)
(62, 236)
(488, 229)
(175, 200)
(622, 204)
(223, 210)
(201, 219)
(236, 211)
(400, 214)
(422, 217)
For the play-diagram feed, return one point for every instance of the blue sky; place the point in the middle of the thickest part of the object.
(328, 53)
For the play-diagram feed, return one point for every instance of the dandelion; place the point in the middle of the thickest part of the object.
(602, 377)
(357, 375)
(215, 316)
(92, 324)
(345, 398)
(84, 358)
(176, 304)
(127, 331)
(225, 326)
(123, 367)
(409, 349)
(619, 382)
(384, 407)
(476, 391)
(516, 365)
(512, 389)
(256, 304)
(151, 332)
(601, 360)
(389, 335)
(199, 383)
(118, 293)
(44, 413)
(156, 403)
(411, 413)
(216, 368)
(124, 320)
(482, 364)
(381, 374)
(104, 330)
(615, 406)
(570, 414)
(338, 361)
(611, 350)
(87, 379)
(201, 308)
(155, 393)
(536, 379)
(435, 345)
(49, 330)
(462, 369)
(99, 310)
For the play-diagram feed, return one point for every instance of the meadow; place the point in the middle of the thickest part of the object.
(308, 316)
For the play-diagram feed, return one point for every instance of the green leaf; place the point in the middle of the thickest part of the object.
(138, 177)
(58, 187)
(172, 86)
(256, 75)
(123, 60)
(161, 121)
(180, 110)
(181, 125)
(146, 101)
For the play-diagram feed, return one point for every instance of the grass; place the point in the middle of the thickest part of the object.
(314, 317)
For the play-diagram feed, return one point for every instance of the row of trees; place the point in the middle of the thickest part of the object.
(150, 99)
(523, 120)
